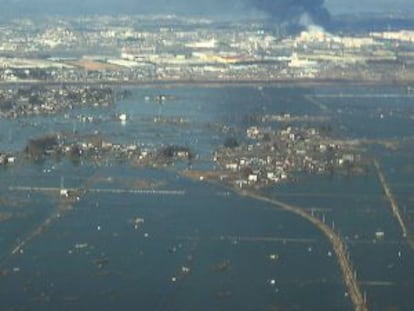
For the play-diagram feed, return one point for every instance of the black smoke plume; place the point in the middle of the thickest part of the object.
(297, 12)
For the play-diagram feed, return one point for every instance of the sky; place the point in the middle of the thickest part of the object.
(357, 6)
(223, 7)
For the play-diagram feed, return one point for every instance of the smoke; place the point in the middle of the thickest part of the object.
(298, 12)
(287, 12)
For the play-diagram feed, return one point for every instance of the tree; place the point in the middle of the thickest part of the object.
(38, 148)
(231, 142)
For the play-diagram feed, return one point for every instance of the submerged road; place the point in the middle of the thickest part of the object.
(349, 276)
(338, 246)
(315, 102)
(59, 211)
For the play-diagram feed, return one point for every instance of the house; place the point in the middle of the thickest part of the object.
(253, 132)
(64, 192)
(11, 159)
(182, 154)
(232, 166)
(253, 178)
(241, 182)
(272, 177)
(346, 158)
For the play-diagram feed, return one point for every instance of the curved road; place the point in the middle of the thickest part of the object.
(394, 205)
(338, 246)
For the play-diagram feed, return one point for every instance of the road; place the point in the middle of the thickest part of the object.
(394, 205)
(338, 246)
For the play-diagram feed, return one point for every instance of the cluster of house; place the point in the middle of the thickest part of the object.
(274, 156)
(96, 149)
(22, 101)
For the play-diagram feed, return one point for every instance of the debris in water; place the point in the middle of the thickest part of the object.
(185, 269)
(221, 266)
(172, 250)
(274, 257)
(138, 222)
(81, 245)
(101, 262)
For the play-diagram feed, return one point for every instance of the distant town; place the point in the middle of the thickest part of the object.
(132, 49)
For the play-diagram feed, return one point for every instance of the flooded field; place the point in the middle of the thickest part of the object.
(154, 239)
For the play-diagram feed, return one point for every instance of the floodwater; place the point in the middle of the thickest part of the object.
(209, 249)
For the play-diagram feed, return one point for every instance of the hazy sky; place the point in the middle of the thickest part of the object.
(370, 5)
(224, 7)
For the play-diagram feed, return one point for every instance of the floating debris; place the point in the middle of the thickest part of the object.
(122, 117)
(185, 269)
(172, 250)
(274, 257)
(81, 245)
(101, 262)
(138, 222)
(221, 266)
